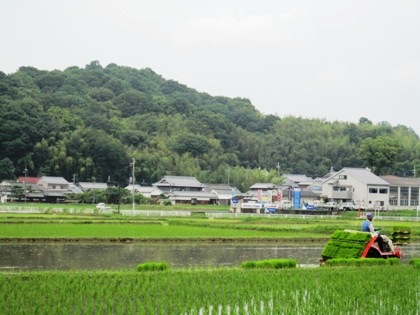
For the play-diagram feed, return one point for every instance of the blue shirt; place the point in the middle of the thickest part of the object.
(365, 226)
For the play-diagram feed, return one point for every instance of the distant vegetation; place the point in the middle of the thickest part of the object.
(88, 124)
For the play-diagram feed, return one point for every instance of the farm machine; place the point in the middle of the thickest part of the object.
(355, 244)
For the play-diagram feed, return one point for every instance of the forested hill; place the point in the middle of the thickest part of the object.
(88, 124)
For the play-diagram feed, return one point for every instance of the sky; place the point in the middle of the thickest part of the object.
(327, 59)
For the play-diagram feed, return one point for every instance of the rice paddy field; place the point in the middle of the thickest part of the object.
(388, 289)
(15, 226)
(327, 290)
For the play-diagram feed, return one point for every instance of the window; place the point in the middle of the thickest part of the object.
(373, 190)
(342, 176)
(404, 196)
(383, 190)
(414, 196)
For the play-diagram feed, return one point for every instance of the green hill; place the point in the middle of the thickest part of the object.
(89, 123)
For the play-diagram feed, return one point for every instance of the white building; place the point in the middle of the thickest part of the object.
(359, 185)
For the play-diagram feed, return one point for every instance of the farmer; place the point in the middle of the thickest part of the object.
(367, 226)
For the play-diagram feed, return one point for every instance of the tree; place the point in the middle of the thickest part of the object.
(132, 103)
(191, 143)
(7, 169)
(380, 154)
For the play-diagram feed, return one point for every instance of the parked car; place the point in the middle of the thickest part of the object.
(330, 205)
(347, 206)
(308, 206)
(285, 204)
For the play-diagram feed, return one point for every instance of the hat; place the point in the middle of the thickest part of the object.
(369, 215)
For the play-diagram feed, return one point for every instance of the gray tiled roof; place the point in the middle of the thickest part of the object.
(263, 186)
(179, 181)
(89, 185)
(363, 175)
(53, 180)
(297, 178)
(401, 181)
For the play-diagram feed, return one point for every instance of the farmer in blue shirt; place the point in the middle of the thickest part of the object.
(367, 226)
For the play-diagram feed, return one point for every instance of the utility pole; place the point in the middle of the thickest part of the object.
(133, 181)
(24, 182)
(278, 182)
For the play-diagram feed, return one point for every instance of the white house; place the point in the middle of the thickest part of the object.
(359, 185)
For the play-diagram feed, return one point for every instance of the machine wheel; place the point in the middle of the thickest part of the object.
(373, 253)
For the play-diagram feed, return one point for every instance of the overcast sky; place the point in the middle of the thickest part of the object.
(329, 59)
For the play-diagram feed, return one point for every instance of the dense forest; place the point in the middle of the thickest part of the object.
(88, 124)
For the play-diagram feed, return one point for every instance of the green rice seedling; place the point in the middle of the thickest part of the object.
(401, 235)
(153, 266)
(346, 244)
(270, 264)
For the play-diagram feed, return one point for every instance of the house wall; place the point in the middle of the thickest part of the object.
(378, 197)
(360, 197)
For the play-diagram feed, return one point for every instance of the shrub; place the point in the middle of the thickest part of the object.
(153, 266)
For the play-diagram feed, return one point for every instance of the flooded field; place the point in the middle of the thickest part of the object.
(57, 256)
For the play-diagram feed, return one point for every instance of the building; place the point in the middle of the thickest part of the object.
(86, 186)
(147, 191)
(359, 185)
(179, 183)
(263, 192)
(185, 190)
(403, 192)
(297, 180)
(54, 188)
(223, 192)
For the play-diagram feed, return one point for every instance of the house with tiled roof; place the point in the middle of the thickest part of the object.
(147, 191)
(185, 189)
(86, 186)
(297, 180)
(179, 183)
(223, 192)
(360, 185)
(55, 188)
(28, 180)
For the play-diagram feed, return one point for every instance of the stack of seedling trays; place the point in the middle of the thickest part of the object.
(401, 235)
(346, 244)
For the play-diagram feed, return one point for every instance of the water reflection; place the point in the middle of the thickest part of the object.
(127, 256)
